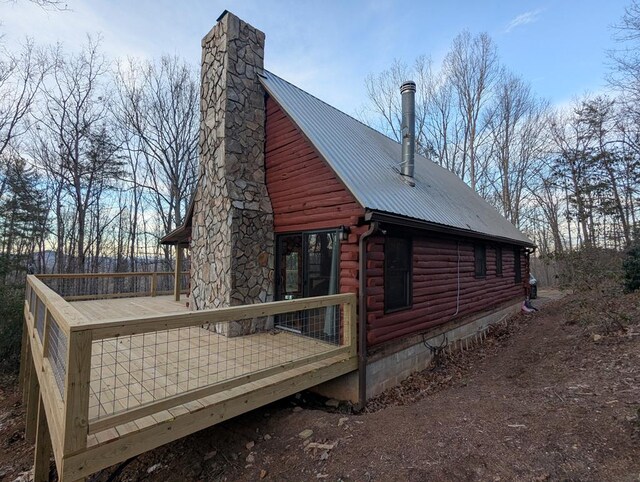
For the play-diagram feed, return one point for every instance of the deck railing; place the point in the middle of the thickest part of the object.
(55, 368)
(91, 286)
(95, 375)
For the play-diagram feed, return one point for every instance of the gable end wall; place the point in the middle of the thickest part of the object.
(305, 193)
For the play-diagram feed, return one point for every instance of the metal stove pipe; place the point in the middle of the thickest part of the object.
(408, 91)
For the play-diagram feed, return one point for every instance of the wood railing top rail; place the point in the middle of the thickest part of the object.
(105, 275)
(144, 324)
(65, 314)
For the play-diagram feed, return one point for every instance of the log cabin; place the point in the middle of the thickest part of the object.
(323, 255)
(297, 199)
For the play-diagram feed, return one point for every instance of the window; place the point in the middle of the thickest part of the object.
(498, 261)
(517, 265)
(308, 264)
(397, 274)
(480, 252)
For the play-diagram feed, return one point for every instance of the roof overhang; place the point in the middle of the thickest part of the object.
(178, 237)
(181, 236)
(395, 219)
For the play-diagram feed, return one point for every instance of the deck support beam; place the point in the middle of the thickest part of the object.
(31, 399)
(42, 457)
(25, 357)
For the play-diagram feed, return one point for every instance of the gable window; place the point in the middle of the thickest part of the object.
(480, 252)
(498, 261)
(397, 274)
(517, 265)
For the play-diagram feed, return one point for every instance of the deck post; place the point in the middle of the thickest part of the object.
(25, 356)
(76, 396)
(25, 367)
(31, 400)
(42, 453)
(154, 283)
(177, 274)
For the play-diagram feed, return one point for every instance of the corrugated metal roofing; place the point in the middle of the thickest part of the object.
(367, 162)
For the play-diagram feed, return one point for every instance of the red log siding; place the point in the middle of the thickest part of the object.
(435, 286)
(305, 193)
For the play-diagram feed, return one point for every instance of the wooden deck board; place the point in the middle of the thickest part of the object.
(96, 310)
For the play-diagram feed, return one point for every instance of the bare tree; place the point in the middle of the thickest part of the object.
(158, 106)
(47, 4)
(516, 125)
(75, 148)
(444, 129)
(625, 74)
(472, 67)
(548, 199)
(20, 78)
(383, 92)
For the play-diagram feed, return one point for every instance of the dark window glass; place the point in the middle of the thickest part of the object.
(397, 273)
(480, 252)
(517, 265)
(308, 265)
(498, 261)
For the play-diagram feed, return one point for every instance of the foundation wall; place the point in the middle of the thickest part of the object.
(389, 366)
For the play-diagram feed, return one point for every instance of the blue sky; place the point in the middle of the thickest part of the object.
(328, 47)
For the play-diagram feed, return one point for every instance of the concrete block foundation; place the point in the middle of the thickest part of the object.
(390, 365)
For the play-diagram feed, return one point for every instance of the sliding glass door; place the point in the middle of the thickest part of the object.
(308, 265)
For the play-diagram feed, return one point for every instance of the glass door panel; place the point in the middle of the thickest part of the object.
(321, 270)
(308, 266)
(290, 278)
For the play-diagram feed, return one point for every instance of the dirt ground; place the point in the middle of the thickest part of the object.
(553, 395)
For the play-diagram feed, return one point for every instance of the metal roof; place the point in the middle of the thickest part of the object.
(367, 162)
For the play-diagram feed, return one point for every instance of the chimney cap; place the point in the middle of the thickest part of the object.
(409, 85)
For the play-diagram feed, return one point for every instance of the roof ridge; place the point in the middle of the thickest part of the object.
(338, 110)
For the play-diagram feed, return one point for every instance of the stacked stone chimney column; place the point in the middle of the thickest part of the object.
(232, 247)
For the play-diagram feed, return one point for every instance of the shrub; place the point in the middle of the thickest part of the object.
(588, 269)
(11, 306)
(631, 267)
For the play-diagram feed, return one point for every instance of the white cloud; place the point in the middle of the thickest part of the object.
(524, 19)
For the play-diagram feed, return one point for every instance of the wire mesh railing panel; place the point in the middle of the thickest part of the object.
(56, 352)
(110, 285)
(40, 313)
(134, 370)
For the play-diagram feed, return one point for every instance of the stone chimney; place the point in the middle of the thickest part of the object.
(232, 245)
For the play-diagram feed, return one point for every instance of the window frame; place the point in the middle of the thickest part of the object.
(279, 289)
(477, 248)
(409, 282)
(517, 266)
(499, 262)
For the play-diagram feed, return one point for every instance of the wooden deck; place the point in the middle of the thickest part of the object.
(154, 371)
(100, 310)
(129, 372)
